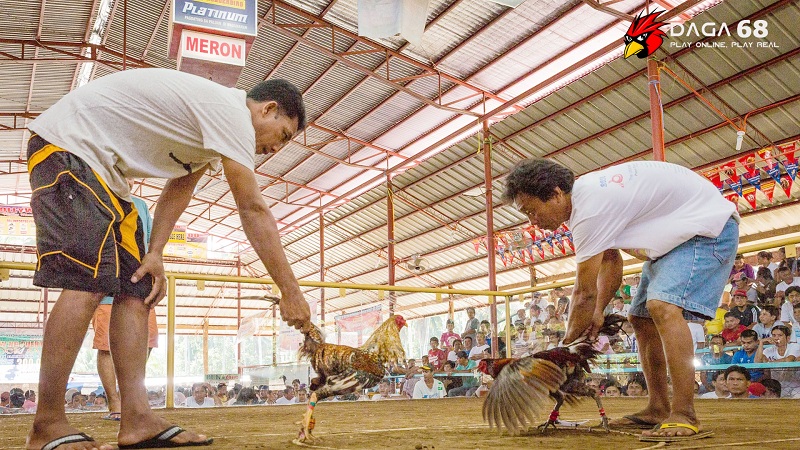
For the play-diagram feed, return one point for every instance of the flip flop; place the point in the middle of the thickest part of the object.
(691, 437)
(635, 422)
(112, 416)
(163, 440)
(68, 439)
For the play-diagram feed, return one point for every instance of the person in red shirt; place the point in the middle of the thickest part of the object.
(436, 356)
(449, 336)
(732, 329)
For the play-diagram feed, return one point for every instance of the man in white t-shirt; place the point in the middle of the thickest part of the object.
(481, 349)
(141, 123)
(764, 259)
(785, 279)
(199, 398)
(429, 387)
(720, 388)
(288, 397)
(659, 212)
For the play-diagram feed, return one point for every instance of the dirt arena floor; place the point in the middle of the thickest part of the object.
(447, 424)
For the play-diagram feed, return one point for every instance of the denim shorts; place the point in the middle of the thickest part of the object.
(691, 276)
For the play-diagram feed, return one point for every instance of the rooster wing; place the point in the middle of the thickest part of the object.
(343, 370)
(521, 391)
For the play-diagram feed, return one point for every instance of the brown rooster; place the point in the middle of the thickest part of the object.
(522, 386)
(344, 370)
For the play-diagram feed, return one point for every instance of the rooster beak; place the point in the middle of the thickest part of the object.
(633, 48)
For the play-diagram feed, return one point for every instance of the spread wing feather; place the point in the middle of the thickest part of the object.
(520, 392)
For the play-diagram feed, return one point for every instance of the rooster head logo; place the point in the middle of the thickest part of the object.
(644, 36)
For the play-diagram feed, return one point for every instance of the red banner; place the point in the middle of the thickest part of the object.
(749, 163)
(369, 318)
(749, 194)
(713, 176)
(768, 188)
(734, 198)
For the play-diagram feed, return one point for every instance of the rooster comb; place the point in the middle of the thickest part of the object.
(646, 24)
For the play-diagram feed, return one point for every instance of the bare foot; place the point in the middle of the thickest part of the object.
(675, 425)
(149, 426)
(642, 418)
(41, 435)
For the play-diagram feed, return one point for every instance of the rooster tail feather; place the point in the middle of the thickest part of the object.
(520, 392)
(612, 324)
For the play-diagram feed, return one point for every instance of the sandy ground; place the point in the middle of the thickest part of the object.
(446, 424)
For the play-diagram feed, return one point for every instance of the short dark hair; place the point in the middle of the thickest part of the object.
(718, 373)
(462, 354)
(739, 256)
(434, 339)
(538, 178)
(740, 369)
(791, 289)
(783, 329)
(468, 337)
(765, 254)
(749, 334)
(771, 309)
(288, 97)
(772, 385)
(765, 273)
(730, 314)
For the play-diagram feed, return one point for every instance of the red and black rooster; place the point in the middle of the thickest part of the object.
(343, 370)
(522, 386)
(644, 35)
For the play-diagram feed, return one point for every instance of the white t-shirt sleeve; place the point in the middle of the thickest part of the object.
(793, 349)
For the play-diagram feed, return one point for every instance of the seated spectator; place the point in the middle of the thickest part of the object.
(787, 308)
(30, 401)
(756, 389)
(288, 397)
(603, 345)
(468, 344)
(425, 360)
(720, 388)
(200, 398)
(765, 287)
(482, 349)
(716, 356)
(521, 343)
(436, 356)
(612, 390)
(627, 339)
(468, 384)
(486, 328)
(247, 396)
(263, 394)
(795, 324)
(637, 386)
(537, 314)
(733, 329)
(5, 399)
(449, 336)
(698, 334)
(786, 279)
(767, 318)
(449, 381)
(383, 391)
(742, 283)
(773, 388)
(764, 259)
(739, 266)
(737, 378)
(747, 313)
(408, 383)
(429, 387)
(747, 354)
(521, 319)
(618, 306)
(452, 355)
(77, 402)
(100, 401)
(782, 351)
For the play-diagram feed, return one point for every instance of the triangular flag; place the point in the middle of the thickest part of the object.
(549, 238)
(786, 184)
(768, 188)
(750, 196)
(734, 198)
(713, 176)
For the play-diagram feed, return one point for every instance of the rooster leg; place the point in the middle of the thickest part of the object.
(553, 420)
(603, 418)
(308, 420)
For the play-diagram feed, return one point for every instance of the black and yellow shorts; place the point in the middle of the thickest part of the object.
(87, 238)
